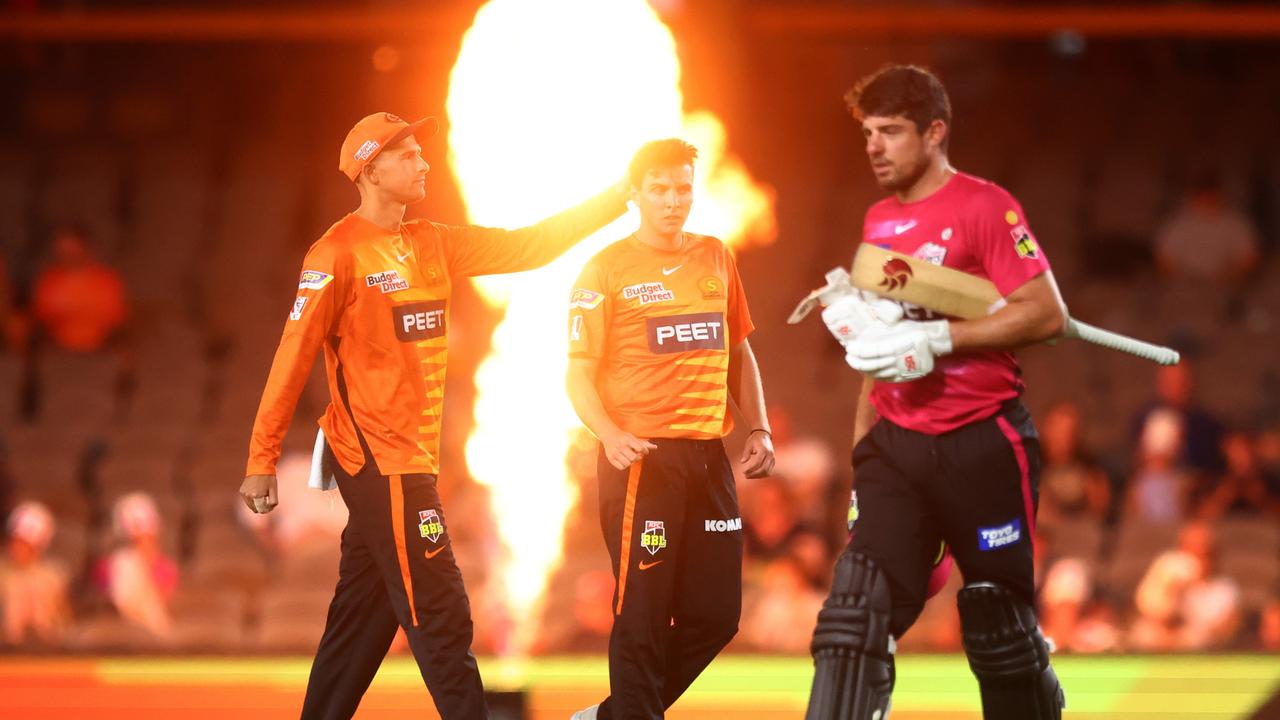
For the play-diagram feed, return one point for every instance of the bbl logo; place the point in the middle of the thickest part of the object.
(429, 525)
(1024, 243)
(654, 537)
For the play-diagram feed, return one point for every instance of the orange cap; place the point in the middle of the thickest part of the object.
(372, 134)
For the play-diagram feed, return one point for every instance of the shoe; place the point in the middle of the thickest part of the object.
(588, 714)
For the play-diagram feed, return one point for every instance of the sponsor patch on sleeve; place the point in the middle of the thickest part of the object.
(314, 280)
(298, 305)
(994, 538)
(585, 299)
(1024, 243)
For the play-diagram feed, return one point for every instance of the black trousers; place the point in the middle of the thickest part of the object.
(674, 532)
(397, 570)
(976, 488)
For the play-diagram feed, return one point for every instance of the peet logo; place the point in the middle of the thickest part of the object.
(994, 538)
(419, 321)
(386, 281)
(646, 293)
(729, 525)
(678, 333)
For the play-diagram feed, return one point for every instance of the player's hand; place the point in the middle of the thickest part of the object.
(901, 352)
(259, 493)
(848, 317)
(757, 455)
(858, 312)
(622, 448)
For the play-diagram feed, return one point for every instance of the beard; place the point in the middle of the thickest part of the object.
(904, 180)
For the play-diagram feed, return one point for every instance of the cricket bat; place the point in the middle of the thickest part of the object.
(959, 294)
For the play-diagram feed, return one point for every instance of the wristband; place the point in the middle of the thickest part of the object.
(766, 432)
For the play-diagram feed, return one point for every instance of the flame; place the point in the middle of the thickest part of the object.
(547, 102)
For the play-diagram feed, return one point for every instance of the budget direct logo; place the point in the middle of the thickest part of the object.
(419, 321)
(645, 293)
(387, 281)
(654, 537)
(679, 333)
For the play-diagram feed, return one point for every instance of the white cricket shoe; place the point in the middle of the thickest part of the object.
(588, 714)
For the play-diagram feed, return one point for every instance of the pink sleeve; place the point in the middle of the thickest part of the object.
(1004, 245)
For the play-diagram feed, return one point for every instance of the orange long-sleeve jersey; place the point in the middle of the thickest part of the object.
(377, 302)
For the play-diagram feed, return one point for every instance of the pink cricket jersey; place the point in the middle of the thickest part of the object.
(975, 226)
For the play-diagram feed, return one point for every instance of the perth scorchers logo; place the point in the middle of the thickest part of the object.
(896, 274)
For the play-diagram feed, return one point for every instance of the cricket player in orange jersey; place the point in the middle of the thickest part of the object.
(374, 295)
(658, 327)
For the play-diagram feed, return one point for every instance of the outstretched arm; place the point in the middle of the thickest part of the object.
(474, 250)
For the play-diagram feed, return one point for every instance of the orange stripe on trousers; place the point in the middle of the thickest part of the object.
(402, 553)
(628, 517)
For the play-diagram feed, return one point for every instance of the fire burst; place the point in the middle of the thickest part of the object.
(547, 101)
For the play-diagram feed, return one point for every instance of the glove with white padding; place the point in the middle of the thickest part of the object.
(901, 352)
(857, 312)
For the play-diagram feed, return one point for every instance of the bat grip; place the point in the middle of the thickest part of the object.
(1123, 343)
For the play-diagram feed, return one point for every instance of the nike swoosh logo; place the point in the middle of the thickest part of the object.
(899, 229)
(432, 553)
(402, 257)
(647, 565)
(668, 272)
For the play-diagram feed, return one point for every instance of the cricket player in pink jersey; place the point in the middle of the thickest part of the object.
(944, 450)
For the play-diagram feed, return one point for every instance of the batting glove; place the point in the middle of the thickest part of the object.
(901, 352)
(858, 312)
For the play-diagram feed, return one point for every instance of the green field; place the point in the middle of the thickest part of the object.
(929, 686)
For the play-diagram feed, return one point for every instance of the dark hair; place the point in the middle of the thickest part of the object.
(906, 90)
(672, 152)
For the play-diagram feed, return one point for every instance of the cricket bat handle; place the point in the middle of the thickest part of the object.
(1145, 350)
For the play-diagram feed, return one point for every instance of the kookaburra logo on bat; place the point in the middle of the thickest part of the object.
(896, 274)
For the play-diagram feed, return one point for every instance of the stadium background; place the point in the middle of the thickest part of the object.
(192, 144)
